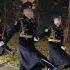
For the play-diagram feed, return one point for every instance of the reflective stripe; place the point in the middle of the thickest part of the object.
(22, 34)
(26, 36)
(54, 40)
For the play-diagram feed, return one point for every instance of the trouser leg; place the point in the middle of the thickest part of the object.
(22, 67)
(38, 66)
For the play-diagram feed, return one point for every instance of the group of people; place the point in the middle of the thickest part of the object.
(30, 57)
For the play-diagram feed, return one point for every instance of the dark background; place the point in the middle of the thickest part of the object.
(48, 8)
(45, 9)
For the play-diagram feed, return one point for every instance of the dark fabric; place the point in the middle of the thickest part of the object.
(28, 58)
(38, 66)
(22, 67)
(2, 37)
(1, 32)
(26, 5)
(58, 56)
(1, 50)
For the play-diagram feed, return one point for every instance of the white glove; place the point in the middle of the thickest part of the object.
(46, 30)
(1, 43)
(63, 47)
(36, 39)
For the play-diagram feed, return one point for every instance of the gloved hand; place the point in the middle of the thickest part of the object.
(36, 39)
(63, 47)
(1, 43)
(46, 30)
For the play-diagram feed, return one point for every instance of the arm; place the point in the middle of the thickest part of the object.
(15, 28)
(45, 33)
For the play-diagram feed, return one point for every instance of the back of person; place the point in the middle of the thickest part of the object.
(1, 32)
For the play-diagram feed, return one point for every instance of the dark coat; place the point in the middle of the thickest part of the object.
(56, 54)
(28, 56)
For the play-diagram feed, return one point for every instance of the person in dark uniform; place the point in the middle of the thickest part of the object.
(5, 49)
(30, 58)
(55, 33)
